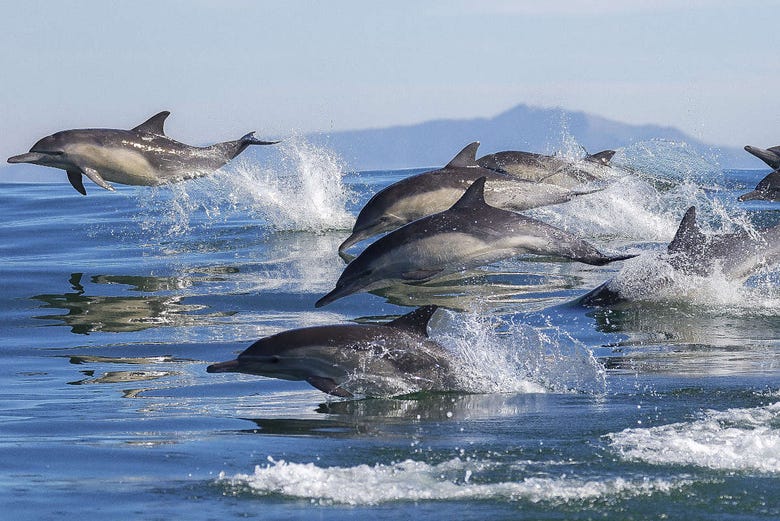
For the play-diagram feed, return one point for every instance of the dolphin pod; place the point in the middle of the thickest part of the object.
(344, 359)
(469, 234)
(430, 192)
(768, 189)
(143, 155)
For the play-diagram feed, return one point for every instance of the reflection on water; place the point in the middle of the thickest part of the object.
(379, 415)
(113, 377)
(649, 323)
(533, 283)
(121, 314)
(683, 339)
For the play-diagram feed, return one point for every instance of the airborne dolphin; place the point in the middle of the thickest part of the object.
(143, 155)
(550, 169)
(430, 192)
(768, 189)
(736, 255)
(373, 359)
(470, 234)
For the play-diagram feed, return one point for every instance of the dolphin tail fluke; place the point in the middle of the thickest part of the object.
(619, 257)
(232, 148)
(601, 259)
(250, 139)
(602, 158)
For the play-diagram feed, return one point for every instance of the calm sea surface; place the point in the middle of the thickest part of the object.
(113, 304)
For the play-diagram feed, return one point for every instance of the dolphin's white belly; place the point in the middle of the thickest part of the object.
(443, 253)
(120, 165)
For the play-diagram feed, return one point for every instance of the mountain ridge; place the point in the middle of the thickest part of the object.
(522, 127)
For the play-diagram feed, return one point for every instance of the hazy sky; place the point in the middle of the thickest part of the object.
(225, 67)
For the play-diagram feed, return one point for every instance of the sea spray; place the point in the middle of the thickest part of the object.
(297, 188)
(735, 439)
(654, 183)
(512, 357)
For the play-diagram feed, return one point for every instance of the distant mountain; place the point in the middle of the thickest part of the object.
(526, 128)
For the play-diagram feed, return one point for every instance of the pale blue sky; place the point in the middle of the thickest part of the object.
(226, 67)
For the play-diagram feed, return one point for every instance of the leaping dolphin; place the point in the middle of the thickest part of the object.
(342, 360)
(550, 169)
(471, 233)
(143, 155)
(430, 192)
(736, 255)
(768, 189)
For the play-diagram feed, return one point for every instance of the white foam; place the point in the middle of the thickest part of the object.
(735, 439)
(411, 480)
(650, 278)
(298, 187)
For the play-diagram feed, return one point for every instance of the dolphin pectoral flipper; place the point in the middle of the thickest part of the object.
(326, 385)
(94, 175)
(74, 176)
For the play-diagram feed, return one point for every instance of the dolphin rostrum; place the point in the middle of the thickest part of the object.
(469, 234)
(735, 255)
(347, 359)
(143, 155)
(768, 189)
(550, 169)
(430, 192)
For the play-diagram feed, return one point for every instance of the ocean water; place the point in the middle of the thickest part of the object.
(114, 304)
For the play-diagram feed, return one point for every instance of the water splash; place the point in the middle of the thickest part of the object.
(515, 358)
(299, 187)
(735, 439)
(411, 480)
(654, 183)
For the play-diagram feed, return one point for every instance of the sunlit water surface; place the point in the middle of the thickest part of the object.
(113, 305)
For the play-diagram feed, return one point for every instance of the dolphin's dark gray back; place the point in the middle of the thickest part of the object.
(768, 189)
(770, 156)
(689, 238)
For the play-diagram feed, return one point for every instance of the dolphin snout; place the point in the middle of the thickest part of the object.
(29, 157)
(223, 367)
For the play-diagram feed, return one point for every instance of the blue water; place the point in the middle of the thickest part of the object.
(114, 304)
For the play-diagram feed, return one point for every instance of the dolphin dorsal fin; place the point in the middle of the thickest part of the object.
(154, 125)
(466, 157)
(602, 158)
(473, 197)
(689, 236)
(416, 321)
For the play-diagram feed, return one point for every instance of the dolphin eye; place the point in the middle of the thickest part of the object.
(274, 359)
